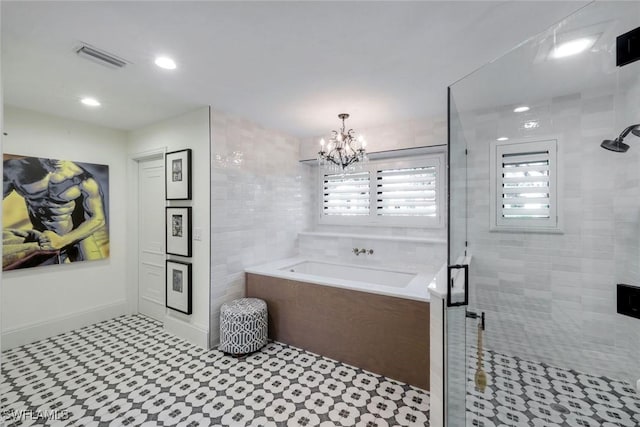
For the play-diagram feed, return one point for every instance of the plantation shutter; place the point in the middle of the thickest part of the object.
(526, 184)
(346, 194)
(407, 192)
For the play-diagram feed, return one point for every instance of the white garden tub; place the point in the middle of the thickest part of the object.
(383, 281)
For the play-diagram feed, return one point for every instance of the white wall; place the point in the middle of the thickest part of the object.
(259, 203)
(190, 130)
(40, 302)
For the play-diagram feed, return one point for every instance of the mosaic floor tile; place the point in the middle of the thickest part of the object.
(130, 372)
(526, 393)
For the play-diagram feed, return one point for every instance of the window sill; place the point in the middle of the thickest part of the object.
(375, 237)
(526, 230)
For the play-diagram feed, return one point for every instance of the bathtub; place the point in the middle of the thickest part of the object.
(376, 280)
(371, 317)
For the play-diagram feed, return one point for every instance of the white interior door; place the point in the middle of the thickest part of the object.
(151, 233)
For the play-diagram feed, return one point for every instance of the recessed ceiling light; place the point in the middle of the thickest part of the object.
(502, 138)
(572, 47)
(91, 102)
(531, 125)
(165, 62)
(521, 109)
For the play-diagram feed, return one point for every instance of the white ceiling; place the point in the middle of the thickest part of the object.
(291, 66)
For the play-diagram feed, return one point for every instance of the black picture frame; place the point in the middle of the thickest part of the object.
(177, 171)
(178, 230)
(178, 286)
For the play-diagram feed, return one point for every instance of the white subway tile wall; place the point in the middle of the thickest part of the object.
(425, 257)
(260, 196)
(552, 297)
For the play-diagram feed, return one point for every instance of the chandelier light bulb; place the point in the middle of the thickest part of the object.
(322, 142)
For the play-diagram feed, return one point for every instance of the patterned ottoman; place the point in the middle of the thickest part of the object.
(243, 326)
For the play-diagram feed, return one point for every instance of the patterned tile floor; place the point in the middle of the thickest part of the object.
(525, 393)
(128, 371)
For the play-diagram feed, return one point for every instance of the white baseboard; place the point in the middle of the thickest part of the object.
(195, 334)
(26, 334)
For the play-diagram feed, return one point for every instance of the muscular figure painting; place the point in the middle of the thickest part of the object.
(54, 212)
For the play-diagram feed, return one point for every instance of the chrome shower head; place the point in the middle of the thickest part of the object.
(615, 145)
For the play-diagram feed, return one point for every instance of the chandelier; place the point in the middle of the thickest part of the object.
(343, 149)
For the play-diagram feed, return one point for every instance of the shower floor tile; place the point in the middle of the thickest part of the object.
(526, 393)
(129, 371)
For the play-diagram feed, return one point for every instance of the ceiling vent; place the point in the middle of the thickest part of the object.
(100, 56)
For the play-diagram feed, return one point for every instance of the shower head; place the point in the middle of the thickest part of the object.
(617, 145)
(614, 145)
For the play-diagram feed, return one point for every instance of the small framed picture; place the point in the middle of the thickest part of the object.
(177, 170)
(178, 225)
(178, 286)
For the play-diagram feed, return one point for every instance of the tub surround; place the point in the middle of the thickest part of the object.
(415, 289)
(404, 249)
(384, 334)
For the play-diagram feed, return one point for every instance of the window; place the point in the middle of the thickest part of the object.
(407, 192)
(524, 182)
(346, 195)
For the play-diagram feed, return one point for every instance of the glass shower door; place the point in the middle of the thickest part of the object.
(457, 272)
(547, 223)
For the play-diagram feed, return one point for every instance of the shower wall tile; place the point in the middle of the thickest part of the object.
(552, 297)
(260, 201)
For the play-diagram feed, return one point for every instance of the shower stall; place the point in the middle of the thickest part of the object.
(545, 219)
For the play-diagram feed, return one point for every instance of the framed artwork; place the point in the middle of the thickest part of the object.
(178, 229)
(177, 169)
(178, 284)
(54, 211)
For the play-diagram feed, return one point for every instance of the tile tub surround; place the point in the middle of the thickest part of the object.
(394, 250)
(382, 334)
(259, 203)
(549, 297)
(129, 371)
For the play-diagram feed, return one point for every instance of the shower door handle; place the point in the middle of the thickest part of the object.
(451, 282)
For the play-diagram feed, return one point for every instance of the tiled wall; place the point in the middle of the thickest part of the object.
(424, 256)
(262, 198)
(552, 297)
(259, 203)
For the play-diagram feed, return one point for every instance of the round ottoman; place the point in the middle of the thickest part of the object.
(243, 326)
